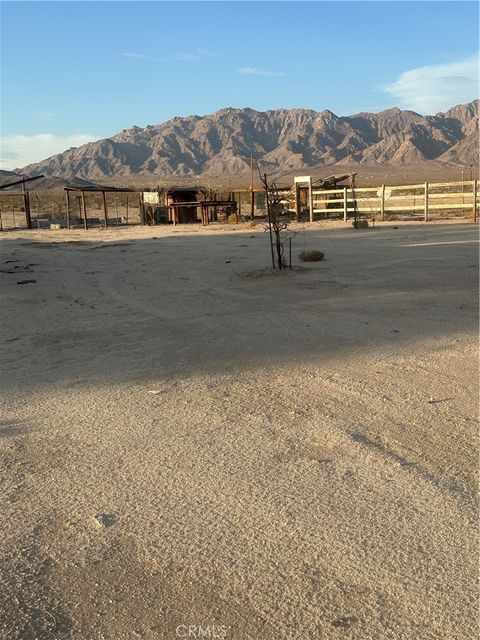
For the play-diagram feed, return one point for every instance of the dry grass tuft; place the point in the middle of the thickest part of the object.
(360, 224)
(310, 256)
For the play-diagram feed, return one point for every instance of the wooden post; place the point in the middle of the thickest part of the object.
(24, 192)
(252, 195)
(127, 210)
(29, 215)
(84, 209)
(13, 214)
(426, 202)
(310, 198)
(116, 207)
(141, 208)
(105, 209)
(297, 203)
(79, 207)
(475, 200)
(354, 199)
(345, 204)
(26, 206)
(382, 204)
(67, 203)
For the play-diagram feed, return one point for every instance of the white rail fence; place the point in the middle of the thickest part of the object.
(418, 199)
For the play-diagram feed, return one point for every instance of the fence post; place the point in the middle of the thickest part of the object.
(382, 204)
(141, 209)
(345, 204)
(297, 203)
(105, 209)
(116, 206)
(310, 198)
(67, 203)
(26, 206)
(475, 200)
(84, 209)
(426, 202)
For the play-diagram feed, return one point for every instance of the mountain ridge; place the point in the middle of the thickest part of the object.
(220, 143)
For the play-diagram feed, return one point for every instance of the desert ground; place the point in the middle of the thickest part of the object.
(194, 446)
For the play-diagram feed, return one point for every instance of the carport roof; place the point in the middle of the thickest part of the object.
(99, 189)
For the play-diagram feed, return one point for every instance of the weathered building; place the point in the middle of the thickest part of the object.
(185, 205)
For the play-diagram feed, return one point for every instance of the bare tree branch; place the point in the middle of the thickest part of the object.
(277, 221)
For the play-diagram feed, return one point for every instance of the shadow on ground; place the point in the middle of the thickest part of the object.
(174, 305)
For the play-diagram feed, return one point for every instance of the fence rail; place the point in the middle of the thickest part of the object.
(424, 197)
(422, 200)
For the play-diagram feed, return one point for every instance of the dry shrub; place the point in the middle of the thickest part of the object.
(310, 256)
(360, 224)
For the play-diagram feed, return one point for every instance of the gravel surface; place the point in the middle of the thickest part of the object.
(193, 445)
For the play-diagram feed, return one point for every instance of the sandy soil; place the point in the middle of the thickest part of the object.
(305, 468)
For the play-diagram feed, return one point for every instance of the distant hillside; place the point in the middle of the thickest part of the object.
(8, 176)
(48, 182)
(281, 140)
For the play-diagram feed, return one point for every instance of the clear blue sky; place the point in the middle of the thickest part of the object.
(93, 68)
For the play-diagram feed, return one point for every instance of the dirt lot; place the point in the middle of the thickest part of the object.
(190, 449)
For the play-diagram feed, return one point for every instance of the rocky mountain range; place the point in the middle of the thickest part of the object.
(220, 144)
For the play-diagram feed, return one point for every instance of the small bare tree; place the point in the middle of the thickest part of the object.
(277, 221)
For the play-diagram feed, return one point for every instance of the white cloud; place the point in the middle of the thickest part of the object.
(18, 151)
(196, 54)
(187, 57)
(206, 52)
(44, 114)
(255, 71)
(142, 56)
(435, 88)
